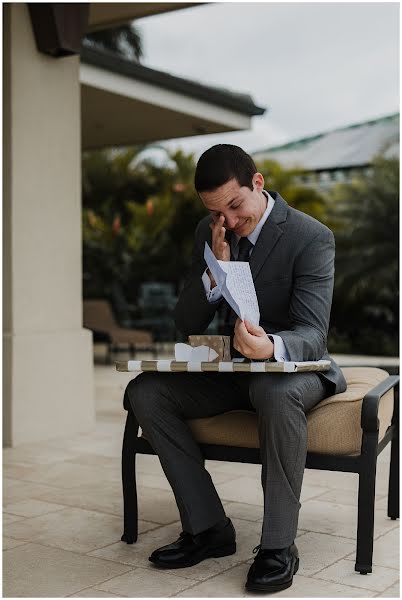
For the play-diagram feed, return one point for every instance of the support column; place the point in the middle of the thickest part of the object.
(48, 375)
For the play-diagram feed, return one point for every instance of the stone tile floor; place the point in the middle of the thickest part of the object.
(63, 521)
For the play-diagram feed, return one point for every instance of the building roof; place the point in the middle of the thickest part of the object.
(103, 15)
(241, 103)
(351, 146)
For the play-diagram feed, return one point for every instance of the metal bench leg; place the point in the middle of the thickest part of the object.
(366, 502)
(129, 482)
(393, 486)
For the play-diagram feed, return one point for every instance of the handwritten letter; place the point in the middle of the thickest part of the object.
(235, 281)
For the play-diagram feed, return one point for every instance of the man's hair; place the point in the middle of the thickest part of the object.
(220, 164)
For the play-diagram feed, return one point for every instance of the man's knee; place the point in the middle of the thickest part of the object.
(145, 393)
(273, 394)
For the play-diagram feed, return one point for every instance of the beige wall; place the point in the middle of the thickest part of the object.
(48, 370)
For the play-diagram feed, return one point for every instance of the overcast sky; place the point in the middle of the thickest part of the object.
(314, 66)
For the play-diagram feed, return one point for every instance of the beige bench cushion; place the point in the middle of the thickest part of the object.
(333, 425)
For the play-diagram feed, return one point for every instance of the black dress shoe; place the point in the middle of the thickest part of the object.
(189, 550)
(273, 570)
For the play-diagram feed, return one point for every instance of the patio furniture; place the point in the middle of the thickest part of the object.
(99, 317)
(346, 432)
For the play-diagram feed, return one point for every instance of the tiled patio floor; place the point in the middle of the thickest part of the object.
(63, 522)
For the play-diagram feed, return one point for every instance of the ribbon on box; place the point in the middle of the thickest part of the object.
(219, 343)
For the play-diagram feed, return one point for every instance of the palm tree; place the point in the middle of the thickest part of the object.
(302, 197)
(124, 40)
(138, 216)
(366, 297)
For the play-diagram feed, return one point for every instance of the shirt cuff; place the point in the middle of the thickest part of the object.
(280, 352)
(213, 295)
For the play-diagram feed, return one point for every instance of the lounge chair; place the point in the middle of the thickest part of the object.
(99, 317)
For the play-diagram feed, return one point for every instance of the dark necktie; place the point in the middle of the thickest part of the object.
(244, 247)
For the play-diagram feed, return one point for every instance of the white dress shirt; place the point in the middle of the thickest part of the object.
(214, 295)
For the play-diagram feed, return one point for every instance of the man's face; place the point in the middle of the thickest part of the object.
(241, 207)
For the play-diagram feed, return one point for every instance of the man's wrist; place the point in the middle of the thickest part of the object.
(212, 280)
(272, 357)
(268, 358)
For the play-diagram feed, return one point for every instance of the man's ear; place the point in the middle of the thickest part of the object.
(258, 181)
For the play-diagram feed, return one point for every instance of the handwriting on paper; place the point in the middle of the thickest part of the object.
(235, 281)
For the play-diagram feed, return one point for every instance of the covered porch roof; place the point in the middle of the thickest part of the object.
(103, 15)
(124, 103)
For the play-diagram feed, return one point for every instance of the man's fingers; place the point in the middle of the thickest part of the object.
(244, 337)
(238, 344)
(253, 329)
(241, 332)
(237, 324)
(222, 246)
(218, 222)
(241, 346)
(218, 231)
(219, 234)
(242, 326)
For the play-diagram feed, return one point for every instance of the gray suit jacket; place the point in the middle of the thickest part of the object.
(293, 271)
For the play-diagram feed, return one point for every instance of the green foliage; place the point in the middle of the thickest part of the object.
(364, 216)
(124, 40)
(302, 197)
(366, 296)
(139, 220)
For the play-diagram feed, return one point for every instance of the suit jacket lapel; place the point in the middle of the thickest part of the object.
(269, 235)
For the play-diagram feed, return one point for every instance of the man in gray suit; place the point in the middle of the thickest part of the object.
(291, 257)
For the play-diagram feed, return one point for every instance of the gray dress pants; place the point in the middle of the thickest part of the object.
(162, 402)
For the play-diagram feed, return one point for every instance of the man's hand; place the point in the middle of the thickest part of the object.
(220, 247)
(252, 341)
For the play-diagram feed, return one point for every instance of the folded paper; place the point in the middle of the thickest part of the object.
(184, 352)
(235, 281)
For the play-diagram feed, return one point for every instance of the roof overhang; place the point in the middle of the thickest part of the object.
(124, 103)
(103, 15)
